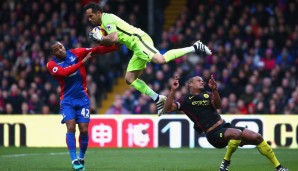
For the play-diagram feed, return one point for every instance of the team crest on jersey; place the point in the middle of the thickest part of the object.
(206, 96)
(72, 58)
(109, 27)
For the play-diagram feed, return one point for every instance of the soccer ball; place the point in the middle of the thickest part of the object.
(101, 31)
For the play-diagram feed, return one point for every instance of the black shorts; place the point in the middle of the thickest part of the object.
(216, 136)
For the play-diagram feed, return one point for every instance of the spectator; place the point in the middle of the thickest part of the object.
(241, 107)
(142, 107)
(25, 108)
(248, 95)
(15, 100)
(35, 105)
(45, 110)
(9, 109)
(268, 60)
(54, 103)
(224, 105)
(152, 109)
(117, 107)
(128, 100)
(260, 108)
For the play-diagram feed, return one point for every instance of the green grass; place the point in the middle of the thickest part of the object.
(160, 159)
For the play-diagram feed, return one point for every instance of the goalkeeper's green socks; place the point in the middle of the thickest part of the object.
(176, 53)
(267, 151)
(141, 86)
(232, 146)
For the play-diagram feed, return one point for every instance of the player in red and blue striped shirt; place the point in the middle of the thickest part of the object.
(67, 67)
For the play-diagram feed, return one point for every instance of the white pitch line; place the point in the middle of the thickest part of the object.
(33, 154)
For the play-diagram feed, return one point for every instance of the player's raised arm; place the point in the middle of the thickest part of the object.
(103, 49)
(56, 70)
(216, 98)
(170, 105)
(82, 52)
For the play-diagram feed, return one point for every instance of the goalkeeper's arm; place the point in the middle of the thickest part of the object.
(107, 40)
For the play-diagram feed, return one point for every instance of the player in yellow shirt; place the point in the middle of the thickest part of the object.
(140, 43)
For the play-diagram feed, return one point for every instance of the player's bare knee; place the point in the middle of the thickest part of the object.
(258, 137)
(128, 80)
(84, 132)
(234, 134)
(237, 134)
(159, 59)
(71, 128)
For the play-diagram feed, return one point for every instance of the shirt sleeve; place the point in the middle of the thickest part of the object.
(82, 52)
(109, 23)
(179, 103)
(57, 71)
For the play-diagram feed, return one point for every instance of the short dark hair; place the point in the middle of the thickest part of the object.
(189, 81)
(94, 6)
(51, 44)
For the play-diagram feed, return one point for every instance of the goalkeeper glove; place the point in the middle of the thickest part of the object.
(95, 35)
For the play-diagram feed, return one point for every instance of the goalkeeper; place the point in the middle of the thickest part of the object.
(140, 43)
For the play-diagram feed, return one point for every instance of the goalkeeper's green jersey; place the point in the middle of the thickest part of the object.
(127, 34)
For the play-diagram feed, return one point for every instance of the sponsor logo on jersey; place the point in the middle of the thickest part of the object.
(200, 103)
(206, 96)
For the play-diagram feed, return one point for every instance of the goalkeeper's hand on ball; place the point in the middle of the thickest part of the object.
(95, 35)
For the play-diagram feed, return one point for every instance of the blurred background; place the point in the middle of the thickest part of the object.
(254, 61)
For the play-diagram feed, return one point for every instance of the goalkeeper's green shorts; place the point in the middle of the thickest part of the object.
(143, 51)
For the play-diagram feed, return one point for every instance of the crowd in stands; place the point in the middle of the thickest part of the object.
(26, 30)
(254, 61)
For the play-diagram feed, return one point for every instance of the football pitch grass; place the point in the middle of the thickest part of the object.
(158, 159)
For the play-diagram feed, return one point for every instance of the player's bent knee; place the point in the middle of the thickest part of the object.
(84, 132)
(159, 59)
(71, 129)
(128, 80)
(238, 135)
(252, 136)
(233, 134)
(258, 137)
